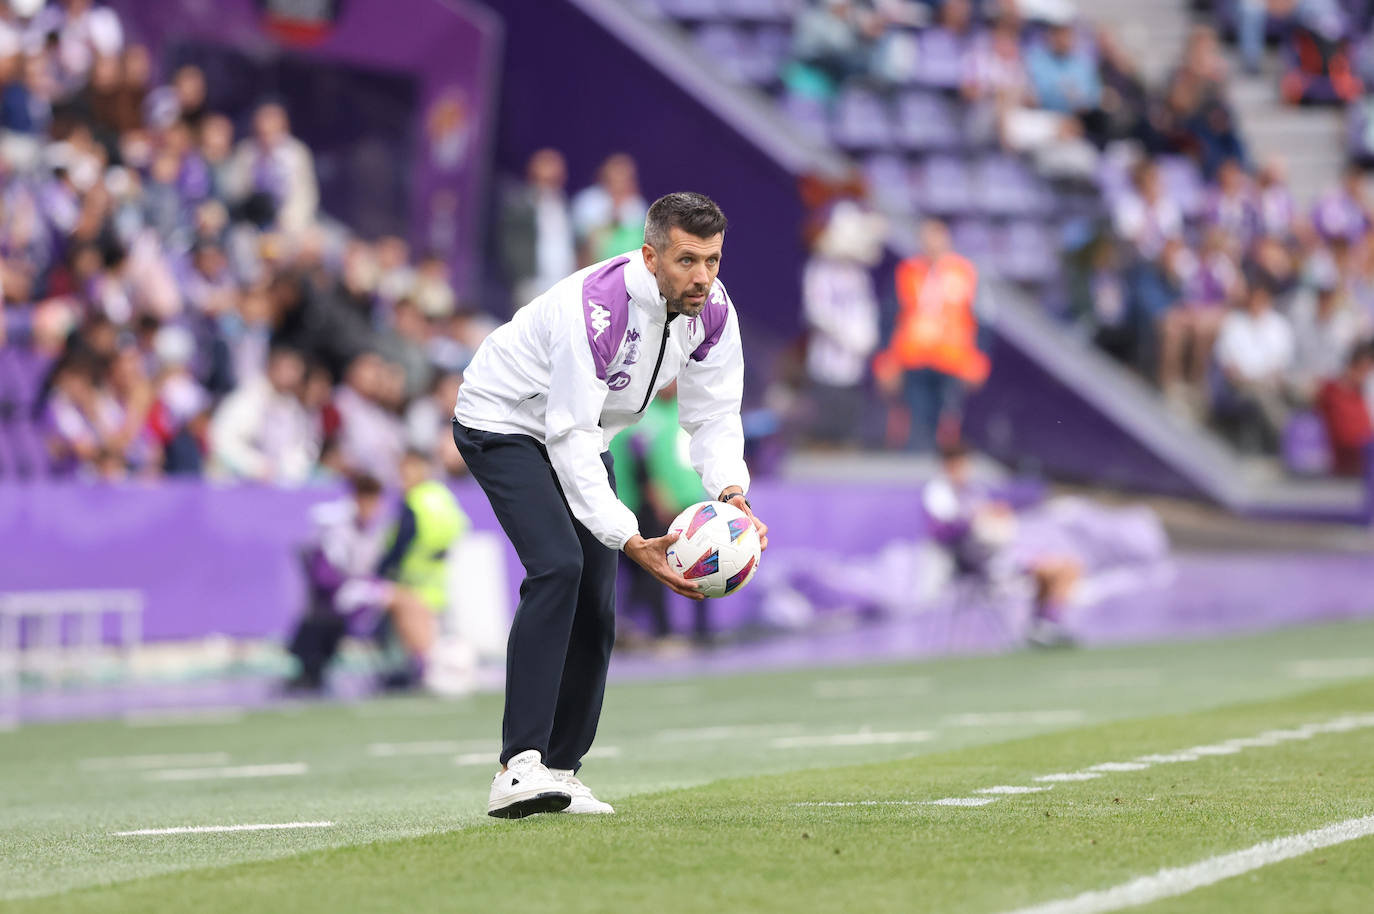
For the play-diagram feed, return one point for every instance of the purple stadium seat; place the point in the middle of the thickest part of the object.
(945, 186)
(9, 465)
(759, 10)
(1305, 448)
(1027, 251)
(1006, 186)
(889, 182)
(973, 238)
(808, 114)
(926, 120)
(725, 48)
(941, 63)
(694, 10)
(862, 121)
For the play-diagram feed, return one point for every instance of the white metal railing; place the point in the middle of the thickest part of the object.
(50, 633)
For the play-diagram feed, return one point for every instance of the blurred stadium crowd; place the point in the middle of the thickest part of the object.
(1135, 211)
(177, 302)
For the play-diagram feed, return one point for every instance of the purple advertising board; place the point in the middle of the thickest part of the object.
(448, 49)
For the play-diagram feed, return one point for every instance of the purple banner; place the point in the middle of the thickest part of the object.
(450, 48)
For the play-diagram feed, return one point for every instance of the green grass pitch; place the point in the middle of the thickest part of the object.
(727, 792)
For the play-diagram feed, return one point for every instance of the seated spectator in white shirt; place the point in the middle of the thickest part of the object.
(1254, 352)
(1325, 329)
(372, 436)
(274, 165)
(262, 431)
(1147, 218)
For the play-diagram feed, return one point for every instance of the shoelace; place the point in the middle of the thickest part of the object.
(571, 781)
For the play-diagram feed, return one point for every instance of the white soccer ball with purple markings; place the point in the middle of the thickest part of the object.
(718, 548)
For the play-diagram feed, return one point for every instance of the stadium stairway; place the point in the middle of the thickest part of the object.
(1055, 404)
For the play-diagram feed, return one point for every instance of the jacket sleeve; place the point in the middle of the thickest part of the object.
(572, 429)
(709, 395)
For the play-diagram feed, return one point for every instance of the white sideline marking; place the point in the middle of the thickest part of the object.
(1169, 758)
(1218, 749)
(136, 762)
(693, 734)
(1068, 776)
(206, 717)
(1013, 718)
(428, 747)
(492, 756)
(1010, 788)
(862, 738)
(1118, 766)
(1109, 677)
(207, 829)
(285, 769)
(963, 801)
(947, 801)
(1330, 668)
(1168, 883)
(890, 687)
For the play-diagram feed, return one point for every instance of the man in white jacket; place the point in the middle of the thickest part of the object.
(540, 403)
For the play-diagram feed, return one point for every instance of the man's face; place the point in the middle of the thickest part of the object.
(686, 268)
(368, 507)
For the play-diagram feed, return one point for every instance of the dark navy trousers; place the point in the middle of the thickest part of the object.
(560, 642)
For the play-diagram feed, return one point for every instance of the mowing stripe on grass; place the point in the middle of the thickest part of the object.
(736, 731)
(1180, 880)
(209, 829)
(136, 762)
(889, 687)
(427, 747)
(200, 717)
(862, 738)
(1330, 668)
(1013, 718)
(284, 769)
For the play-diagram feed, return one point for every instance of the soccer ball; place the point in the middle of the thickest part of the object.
(718, 547)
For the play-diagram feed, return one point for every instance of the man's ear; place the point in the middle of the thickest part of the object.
(650, 257)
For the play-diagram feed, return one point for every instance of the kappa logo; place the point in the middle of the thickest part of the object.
(717, 295)
(601, 319)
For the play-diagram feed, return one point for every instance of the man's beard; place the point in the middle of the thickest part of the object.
(680, 305)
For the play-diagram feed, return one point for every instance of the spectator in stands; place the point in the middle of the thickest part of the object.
(830, 44)
(933, 355)
(608, 217)
(277, 169)
(262, 431)
(1125, 96)
(406, 345)
(429, 424)
(538, 247)
(1345, 213)
(1254, 352)
(178, 418)
(840, 305)
(1320, 39)
(994, 71)
(1146, 218)
(1063, 72)
(1277, 212)
(1209, 283)
(372, 438)
(1231, 204)
(1346, 413)
(83, 32)
(80, 417)
(1325, 331)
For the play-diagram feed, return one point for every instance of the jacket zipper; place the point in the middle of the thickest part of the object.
(653, 379)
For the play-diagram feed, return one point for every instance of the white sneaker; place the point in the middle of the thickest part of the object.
(583, 800)
(526, 787)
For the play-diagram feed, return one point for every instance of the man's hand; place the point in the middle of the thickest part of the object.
(735, 496)
(652, 556)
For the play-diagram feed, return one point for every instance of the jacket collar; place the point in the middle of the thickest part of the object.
(643, 287)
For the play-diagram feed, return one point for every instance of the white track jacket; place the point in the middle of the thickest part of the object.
(580, 363)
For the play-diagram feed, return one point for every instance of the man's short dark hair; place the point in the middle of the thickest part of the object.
(364, 484)
(695, 214)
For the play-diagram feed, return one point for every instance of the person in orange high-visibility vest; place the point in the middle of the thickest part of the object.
(933, 355)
